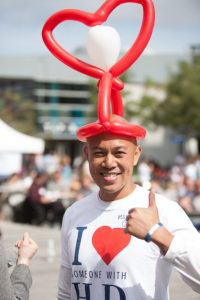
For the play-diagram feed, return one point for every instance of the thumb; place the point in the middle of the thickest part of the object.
(152, 202)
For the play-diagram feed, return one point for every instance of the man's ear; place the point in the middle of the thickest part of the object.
(137, 154)
(85, 150)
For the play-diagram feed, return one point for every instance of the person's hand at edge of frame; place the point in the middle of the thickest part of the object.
(26, 249)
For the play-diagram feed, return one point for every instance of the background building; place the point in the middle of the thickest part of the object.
(61, 97)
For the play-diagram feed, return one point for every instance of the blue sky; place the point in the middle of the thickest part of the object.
(177, 25)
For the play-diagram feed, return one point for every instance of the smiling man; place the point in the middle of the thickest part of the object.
(111, 160)
(122, 242)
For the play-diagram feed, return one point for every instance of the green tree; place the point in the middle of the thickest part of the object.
(18, 112)
(181, 107)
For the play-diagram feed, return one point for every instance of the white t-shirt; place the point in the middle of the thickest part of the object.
(107, 264)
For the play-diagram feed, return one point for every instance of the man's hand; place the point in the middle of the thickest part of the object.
(141, 220)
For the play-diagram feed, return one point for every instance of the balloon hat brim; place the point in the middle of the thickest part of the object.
(116, 128)
(109, 85)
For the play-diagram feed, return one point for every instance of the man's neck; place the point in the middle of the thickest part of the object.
(123, 193)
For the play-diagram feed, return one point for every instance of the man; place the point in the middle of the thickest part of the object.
(114, 245)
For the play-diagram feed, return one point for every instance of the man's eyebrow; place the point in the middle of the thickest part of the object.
(120, 148)
(97, 148)
(114, 148)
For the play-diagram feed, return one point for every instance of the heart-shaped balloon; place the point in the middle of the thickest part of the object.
(103, 46)
(110, 85)
(98, 18)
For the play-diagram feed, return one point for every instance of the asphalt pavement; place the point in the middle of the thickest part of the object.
(45, 265)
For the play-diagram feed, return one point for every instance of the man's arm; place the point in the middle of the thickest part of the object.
(180, 249)
(183, 254)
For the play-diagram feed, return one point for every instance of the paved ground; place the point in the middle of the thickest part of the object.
(45, 273)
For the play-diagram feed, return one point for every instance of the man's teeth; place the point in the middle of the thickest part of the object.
(109, 175)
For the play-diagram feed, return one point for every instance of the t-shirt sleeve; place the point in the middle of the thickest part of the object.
(64, 239)
(184, 250)
(64, 284)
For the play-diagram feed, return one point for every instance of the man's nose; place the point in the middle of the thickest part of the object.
(109, 161)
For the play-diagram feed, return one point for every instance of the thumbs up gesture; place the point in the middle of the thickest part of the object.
(141, 220)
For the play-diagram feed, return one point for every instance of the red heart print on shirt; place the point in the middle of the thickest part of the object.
(110, 242)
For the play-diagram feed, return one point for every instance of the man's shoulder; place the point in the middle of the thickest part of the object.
(79, 210)
(84, 202)
(164, 201)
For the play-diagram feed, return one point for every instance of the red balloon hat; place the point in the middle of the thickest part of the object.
(109, 85)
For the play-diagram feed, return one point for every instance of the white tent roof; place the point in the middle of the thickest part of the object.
(13, 141)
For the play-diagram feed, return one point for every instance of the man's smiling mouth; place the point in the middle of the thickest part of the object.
(110, 176)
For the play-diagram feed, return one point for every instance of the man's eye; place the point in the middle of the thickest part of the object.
(98, 153)
(120, 153)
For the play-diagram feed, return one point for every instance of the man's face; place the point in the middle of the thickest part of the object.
(111, 161)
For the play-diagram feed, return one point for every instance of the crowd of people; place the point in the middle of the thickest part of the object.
(179, 182)
(45, 187)
(49, 183)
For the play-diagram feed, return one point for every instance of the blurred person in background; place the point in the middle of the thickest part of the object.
(156, 186)
(186, 194)
(39, 163)
(60, 188)
(13, 194)
(66, 172)
(77, 162)
(197, 164)
(170, 190)
(51, 161)
(13, 185)
(17, 286)
(196, 200)
(144, 171)
(86, 188)
(56, 182)
(176, 174)
(84, 171)
(190, 169)
(196, 203)
(43, 202)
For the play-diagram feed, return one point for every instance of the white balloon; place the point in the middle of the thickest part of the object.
(103, 46)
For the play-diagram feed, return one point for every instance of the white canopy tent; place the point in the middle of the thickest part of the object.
(13, 141)
(12, 145)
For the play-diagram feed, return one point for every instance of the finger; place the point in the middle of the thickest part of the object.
(17, 244)
(152, 201)
(25, 238)
(131, 210)
(32, 242)
(126, 231)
